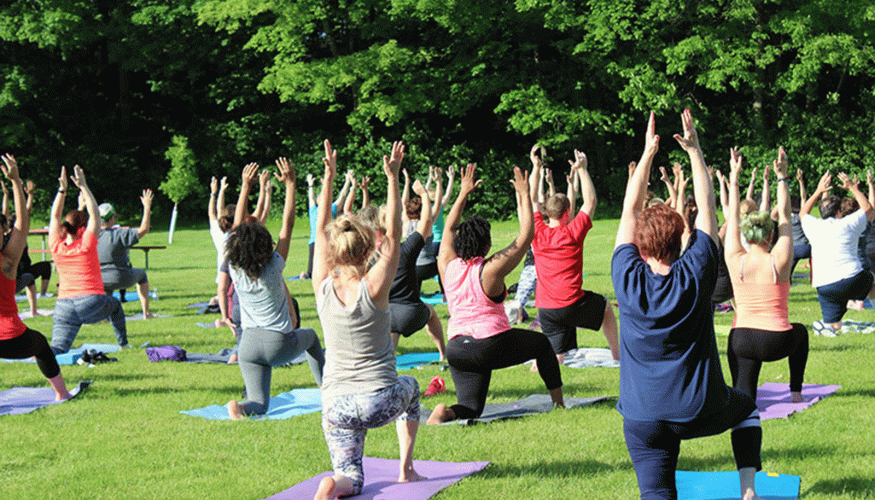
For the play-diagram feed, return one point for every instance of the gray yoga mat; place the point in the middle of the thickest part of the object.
(536, 403)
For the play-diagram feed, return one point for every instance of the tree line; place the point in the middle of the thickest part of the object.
(115, 86)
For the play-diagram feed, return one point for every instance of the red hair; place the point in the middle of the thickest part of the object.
(658, 233)
(74, 221)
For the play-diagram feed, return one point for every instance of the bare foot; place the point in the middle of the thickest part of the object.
(534, 367)
(797, 397)
(440, 414)
(34, 314)
(856, 305)
(751, 495)
(409, 476)
(147, 315)
(326, 489)
(232, 359)
(235, 411)
(63, 396)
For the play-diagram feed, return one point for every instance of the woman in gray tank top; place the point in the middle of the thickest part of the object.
(361, 388)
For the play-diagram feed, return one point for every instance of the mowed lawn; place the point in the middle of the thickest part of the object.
(125, 438)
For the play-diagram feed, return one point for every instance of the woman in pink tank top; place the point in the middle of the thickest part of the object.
(760, 277)
(481, 339)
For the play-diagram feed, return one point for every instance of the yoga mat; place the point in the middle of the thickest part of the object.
(414, 359)
(139, 316)
(773, 399)
(23, 297)
(131, 295)
(434, 300)
(381, 475)
(206, 325)
(220, 357)
(536, 403)
(723, 485)
(20, 400)
(41, 312)
(70, 357)
(283, 406)
(198, 305)
(590, 356)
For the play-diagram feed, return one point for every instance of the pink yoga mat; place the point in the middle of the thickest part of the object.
(381, 475)
(773, 399)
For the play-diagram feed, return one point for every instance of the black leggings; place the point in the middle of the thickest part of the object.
(472, 361)
(31, 343)
(749, 347)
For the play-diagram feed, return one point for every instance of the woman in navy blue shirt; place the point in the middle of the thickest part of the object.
(671, 384)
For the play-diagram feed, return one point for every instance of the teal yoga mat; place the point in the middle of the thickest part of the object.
(282, 406)
(720, 485)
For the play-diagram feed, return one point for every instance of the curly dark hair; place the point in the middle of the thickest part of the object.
(473, 238)
(250, 248)
(830, 206)
(413, 208)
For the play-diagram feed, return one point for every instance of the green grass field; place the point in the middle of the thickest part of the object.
(125, 438)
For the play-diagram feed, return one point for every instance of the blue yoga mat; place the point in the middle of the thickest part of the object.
(414, 359)
(20, 400)
(70, 357)
(723, 485)
(434, 300)
(283, 406)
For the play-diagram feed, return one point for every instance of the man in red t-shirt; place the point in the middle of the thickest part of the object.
(563, 305)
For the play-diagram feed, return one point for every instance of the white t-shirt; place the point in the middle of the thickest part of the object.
(219, 239)
(834, 246)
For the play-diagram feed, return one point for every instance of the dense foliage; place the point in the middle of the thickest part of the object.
(107, 84)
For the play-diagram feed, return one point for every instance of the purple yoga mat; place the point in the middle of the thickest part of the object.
(381, 475)
(773, 399)
(20, 400)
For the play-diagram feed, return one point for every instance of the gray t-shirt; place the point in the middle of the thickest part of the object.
(113, 243)
(359, 353)
(263, 301)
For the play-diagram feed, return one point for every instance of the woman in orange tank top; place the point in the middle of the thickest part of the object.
(760, 277)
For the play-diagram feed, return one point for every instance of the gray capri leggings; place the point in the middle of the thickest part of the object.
(261, 350)
(116, 278)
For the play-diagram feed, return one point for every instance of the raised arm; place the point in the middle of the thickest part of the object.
(536, 192)
(382, 274)
(265, 197)
(286, 175)
(733, 248)
(853, 186)
(801, 179)
(249, 177)
(551, 186)
(501, 263)
(345, 189)
(146, 222)
(636, 188)
(782, 252)
(212, 213)
(438, 204)
(571, 191)
(366, 195)
(823, 186)
(423, 227)
(311, 198)
(5, 199)
(680, 203)
(18, 238)
(724, 196)
(587, 188)
(90, 203)
(348, 203)
(56, 216)
(448, 191)
(703, 187)
(220, 200)
(750, 186)
(467, 184)
(323, 217)
(766, 201)
(669, 185)
(870, 184)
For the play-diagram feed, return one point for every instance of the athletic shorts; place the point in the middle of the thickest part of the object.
(560, 325)
(408, 319)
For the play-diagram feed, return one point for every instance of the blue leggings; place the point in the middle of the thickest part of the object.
(346, 420)
(654, 445)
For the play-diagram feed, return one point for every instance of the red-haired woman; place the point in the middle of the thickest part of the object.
(671, 385)
(73, 242)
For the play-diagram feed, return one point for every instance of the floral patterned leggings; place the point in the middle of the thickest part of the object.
(346, 420)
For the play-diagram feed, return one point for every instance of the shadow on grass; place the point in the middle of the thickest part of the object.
(724, 456)
(839, 348)
(862, 486)
(869, 393)
(553, 469)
